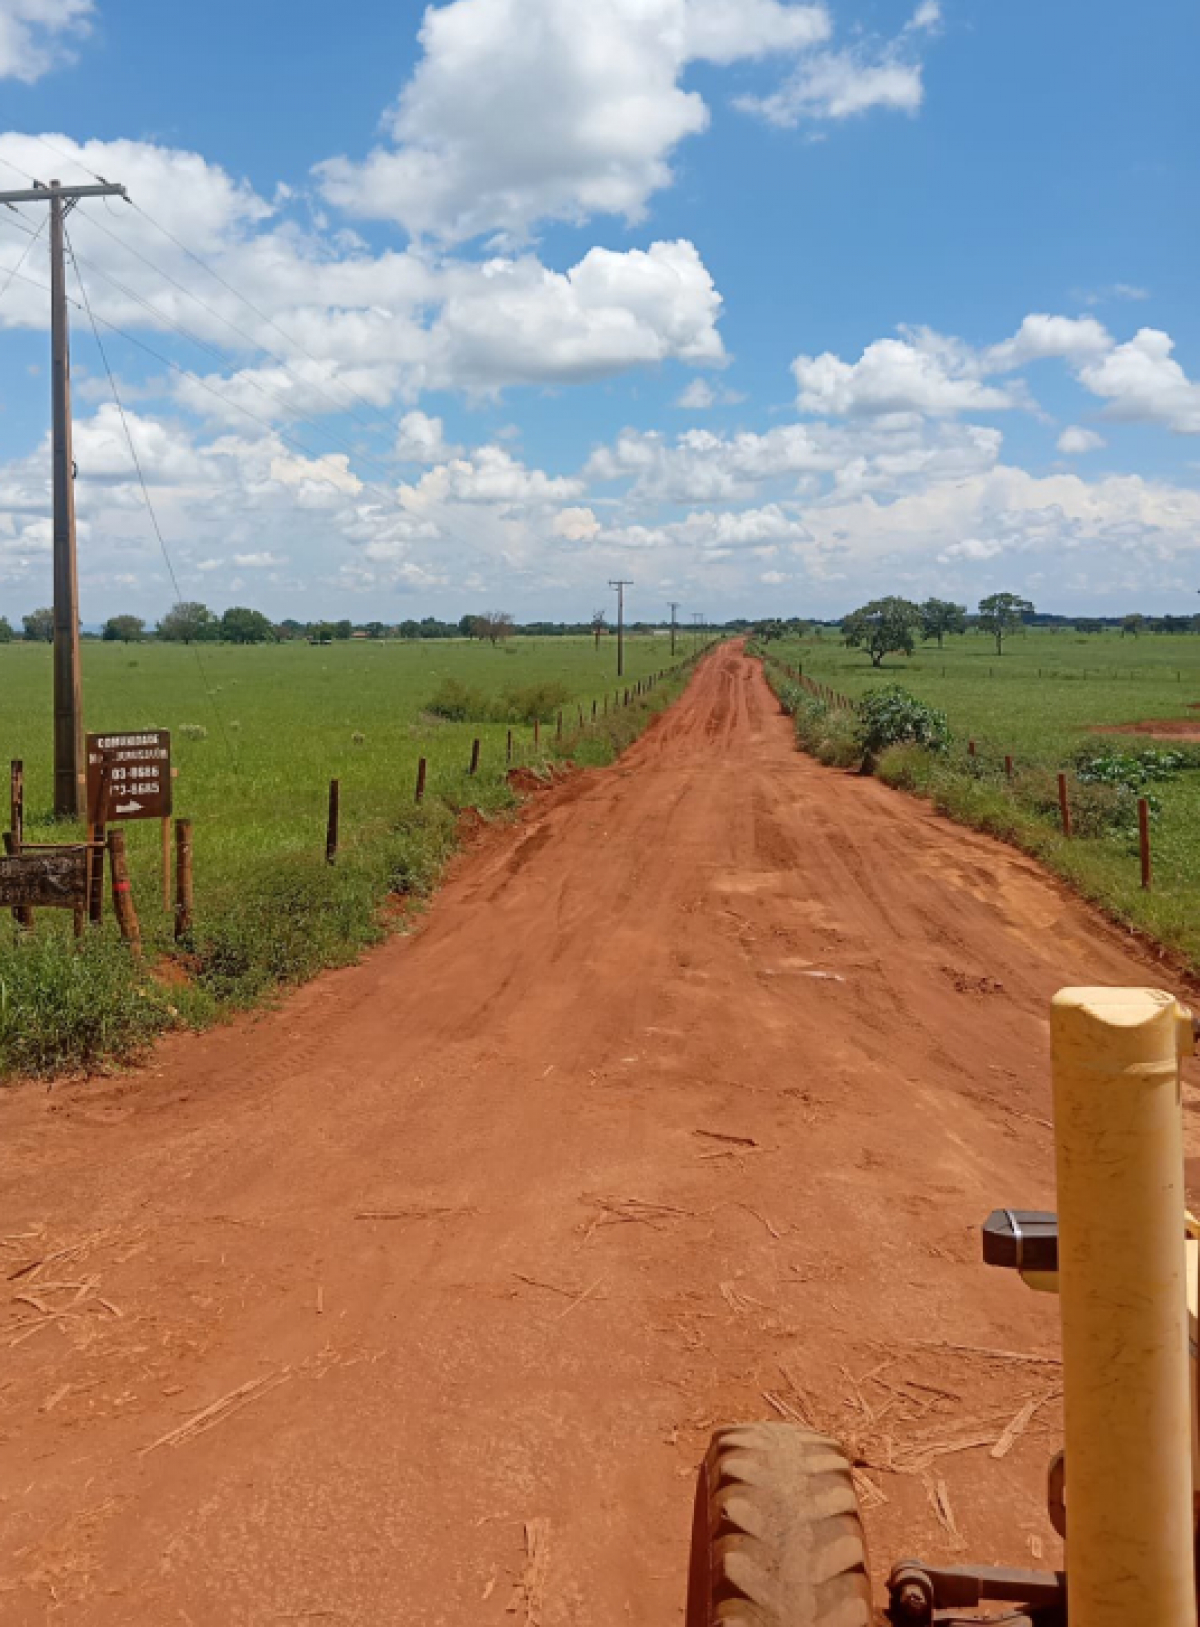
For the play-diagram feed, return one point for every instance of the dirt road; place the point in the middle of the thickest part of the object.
(682, 1105)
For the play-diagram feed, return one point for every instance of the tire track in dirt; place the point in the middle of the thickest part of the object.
(683, 1104)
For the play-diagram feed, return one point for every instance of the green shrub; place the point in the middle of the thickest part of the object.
(541, 701)
(458, 702)
(892, 717)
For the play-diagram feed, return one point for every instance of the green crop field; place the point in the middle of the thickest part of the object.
(1041, 702)
(258, 733)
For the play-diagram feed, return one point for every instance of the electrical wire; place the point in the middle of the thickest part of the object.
(250, 338)
(262, 315)
(15, 270)
(137, 463)
(255, 384)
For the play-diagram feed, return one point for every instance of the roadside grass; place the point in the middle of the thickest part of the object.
(1039, 703)
(255, 766)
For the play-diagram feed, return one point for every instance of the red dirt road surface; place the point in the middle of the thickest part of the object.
(416, 1300)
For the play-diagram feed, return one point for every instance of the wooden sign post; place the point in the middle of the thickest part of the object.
(129, 776)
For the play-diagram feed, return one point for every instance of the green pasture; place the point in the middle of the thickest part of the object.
(258, 733)
(1040, 698)
(1040, 702)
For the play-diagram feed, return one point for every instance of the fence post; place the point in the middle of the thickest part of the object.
(420, 797)
(508, 748)
(22, 913)
(537, 732)
(474, 768)
(970, 748)
(331, 823)
(1008, 769)
(183, 878)
(593, 710)
(122, 892)
(558, 731)
(1064, 804)
(1144, 842)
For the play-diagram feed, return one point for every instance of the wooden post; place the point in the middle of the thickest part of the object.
(1144, 842)
(508, 748)
(331, 823)
(183, 878)
(970, 748)
(96, 873)
(122, 892)
(1064, 804)
(559, 731)
(22, 913)
(537, 733)
(474, 768)
(1008, 769)
(579, 709)
(16, 801)
(166, 862)
(593, 711)
(420, 797)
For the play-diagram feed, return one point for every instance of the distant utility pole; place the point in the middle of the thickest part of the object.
(697, 622)
(674, 608)
(620, 587)
(69, 766)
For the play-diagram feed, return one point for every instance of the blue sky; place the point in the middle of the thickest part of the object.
(772, 307)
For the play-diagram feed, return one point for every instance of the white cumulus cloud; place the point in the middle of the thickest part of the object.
(1142, 381)
(38, 35)
(920, 374)
(1075, 441)
(527, 110)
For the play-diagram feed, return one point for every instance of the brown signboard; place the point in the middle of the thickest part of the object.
(129, 776)
(45, 880)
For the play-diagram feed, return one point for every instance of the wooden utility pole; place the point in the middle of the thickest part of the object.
(674, 609)
(69, 758)
(620, 587)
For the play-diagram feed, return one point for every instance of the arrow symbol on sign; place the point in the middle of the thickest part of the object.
(127, 807)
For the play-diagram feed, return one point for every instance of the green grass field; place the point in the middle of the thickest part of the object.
(279, 722)
(1040, 703)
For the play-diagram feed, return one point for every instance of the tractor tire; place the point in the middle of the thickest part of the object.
(777, 1539)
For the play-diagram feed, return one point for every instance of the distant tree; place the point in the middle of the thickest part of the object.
(187, 622)
(1001, 615)
(468, 626)
(343, 628)
(495, 625)
(1089, 624)
(39, 626)
(883, 627)
(941, 616)
(1132, 626)
(242, 626)
(768, 630)
(599, 626)
(375, 629)
(6, 632)
(123, 630)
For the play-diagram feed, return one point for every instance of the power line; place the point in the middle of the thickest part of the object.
(388, 495)
(33, 237)
(262, 315)
(186, 372)
(233, 327)
(237, 294)
(137, 463)
(255, 384)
